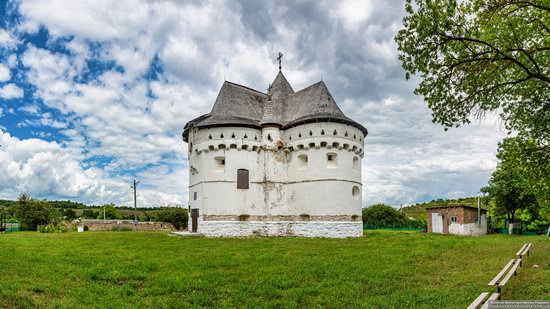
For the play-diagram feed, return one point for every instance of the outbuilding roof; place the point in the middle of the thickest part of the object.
(455, 206)
(237, 105)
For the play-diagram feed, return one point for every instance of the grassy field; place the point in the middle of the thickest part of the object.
(150, 269)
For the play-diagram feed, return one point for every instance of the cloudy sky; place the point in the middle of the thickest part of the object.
(95, 93)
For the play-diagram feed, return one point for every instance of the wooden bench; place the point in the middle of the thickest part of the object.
(524, 250)
(484, 299)
(510, 269)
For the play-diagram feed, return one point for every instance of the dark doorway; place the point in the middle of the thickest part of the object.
(194, 219)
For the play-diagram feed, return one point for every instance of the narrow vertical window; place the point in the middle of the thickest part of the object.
(195, 196)
(356, 163)
(220, 164)
(332, 160)
(302, 162)
(242, 179)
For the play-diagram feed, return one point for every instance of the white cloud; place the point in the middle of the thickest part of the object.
(353, 12)
(7, 40)
(11, 91)
(5, 74)
(349, 43)
(12, 61)
(30, 109)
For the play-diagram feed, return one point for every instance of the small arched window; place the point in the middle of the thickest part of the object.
(355, 192)
(242, 179)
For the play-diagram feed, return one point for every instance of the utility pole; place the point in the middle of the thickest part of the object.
(135, 200)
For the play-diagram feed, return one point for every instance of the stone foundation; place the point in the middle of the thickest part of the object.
(328, 229)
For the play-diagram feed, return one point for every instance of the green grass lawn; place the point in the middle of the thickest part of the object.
(151, 269)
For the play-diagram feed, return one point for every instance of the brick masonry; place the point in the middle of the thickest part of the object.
(464, 215)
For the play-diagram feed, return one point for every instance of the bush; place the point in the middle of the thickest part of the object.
(177, 216)
(90, 214)
(384, 216)
(110, 212)
(70, 214)
(31, 213)
(53, 228)
(121, 228)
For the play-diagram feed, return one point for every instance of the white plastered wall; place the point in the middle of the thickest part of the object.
(469, 228)
(278, 186)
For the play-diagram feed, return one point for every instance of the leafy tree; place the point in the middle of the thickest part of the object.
(475, 56)
(535, 169)
(177, 216)
(89, 214)
(110, 212)
(383, 216)
(31, 213)
(70, 214)
(510, 187)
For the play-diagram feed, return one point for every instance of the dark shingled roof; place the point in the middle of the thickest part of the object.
(237, 105)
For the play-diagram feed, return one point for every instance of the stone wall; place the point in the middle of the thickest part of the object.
(99, 225)
(281, 228)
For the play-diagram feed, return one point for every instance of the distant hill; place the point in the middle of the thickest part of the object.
(418, 211)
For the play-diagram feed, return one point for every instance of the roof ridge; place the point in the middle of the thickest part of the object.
(244, 87)
(311, 86)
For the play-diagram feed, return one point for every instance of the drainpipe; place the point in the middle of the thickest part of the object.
(478, 210)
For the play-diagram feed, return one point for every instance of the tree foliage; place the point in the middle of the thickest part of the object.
(512, 187)
(110, 212)
(31, 212)
(89, 214)
(177, 216)
(475, 56)
(70, 214)
(381, 215)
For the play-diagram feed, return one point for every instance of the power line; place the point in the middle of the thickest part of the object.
(123, 195)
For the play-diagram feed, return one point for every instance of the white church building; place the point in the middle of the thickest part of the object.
(281, 163)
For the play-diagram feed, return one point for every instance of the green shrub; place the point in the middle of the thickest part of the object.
(53, 228)
(70, 214)
(384, 216)
(31, 213)
(90, 214)
(121, 228)
(177, 216)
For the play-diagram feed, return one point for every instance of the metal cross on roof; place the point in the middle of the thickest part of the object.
(280, 58)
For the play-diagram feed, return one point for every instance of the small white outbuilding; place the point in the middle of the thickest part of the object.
(457, 219)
